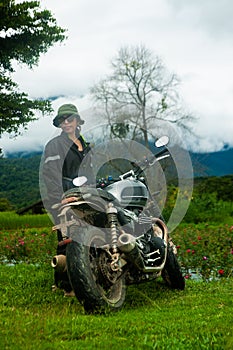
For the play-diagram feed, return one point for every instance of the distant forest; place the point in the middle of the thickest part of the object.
(19, 183)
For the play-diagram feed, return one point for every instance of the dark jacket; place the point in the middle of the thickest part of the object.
(61, 164)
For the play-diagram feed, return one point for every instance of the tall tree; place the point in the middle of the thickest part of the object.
(26, 31)
(140, 91)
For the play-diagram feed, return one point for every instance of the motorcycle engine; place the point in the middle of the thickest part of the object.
(152, 248)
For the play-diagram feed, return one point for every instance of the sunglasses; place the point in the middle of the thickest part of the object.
(69, 119)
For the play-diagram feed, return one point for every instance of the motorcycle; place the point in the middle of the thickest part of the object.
(112, 238)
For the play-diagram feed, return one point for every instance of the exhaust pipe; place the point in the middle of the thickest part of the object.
(59, 263)
(127, 244)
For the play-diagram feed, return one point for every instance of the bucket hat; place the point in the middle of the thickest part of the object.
(65, 111)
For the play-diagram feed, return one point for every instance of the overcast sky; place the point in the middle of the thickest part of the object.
(193, 38)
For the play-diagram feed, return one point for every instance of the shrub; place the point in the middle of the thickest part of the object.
(206, 208)
(34, 245)
(203, 207)
(202, 249)
(5, 205)
(207, 251)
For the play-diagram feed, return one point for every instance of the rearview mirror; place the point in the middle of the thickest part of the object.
(162, 141)
(79, 181)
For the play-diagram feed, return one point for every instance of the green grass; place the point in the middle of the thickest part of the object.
(153, 317)
(10, 220)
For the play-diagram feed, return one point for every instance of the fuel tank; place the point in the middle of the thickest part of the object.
(129, 192)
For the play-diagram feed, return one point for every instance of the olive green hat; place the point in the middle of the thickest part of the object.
(64, 112)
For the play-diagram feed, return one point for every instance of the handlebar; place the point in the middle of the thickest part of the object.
(128, 174)
(139, 168)
(163, 151)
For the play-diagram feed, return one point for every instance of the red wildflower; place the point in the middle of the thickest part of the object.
(221, 272)
(187, 276)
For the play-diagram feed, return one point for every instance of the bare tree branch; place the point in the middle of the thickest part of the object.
(140, 90)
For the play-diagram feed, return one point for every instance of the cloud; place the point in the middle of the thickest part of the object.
(212, 16)
(192, 37)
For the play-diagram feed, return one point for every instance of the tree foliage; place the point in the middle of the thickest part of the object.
(19, 181)
(26, 32)
(140, 91)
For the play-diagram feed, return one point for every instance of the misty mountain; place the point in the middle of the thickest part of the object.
(218, 163)
(19, 173)
(213, 164)
(23, 154)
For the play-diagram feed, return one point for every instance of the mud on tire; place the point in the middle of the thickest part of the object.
(84, 256)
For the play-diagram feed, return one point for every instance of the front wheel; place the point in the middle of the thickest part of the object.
(171, 273)
(95, 285)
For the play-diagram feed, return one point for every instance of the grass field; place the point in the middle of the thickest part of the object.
(153, 317)
(10, 220)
